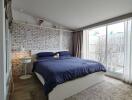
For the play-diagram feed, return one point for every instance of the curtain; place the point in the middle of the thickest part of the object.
(77, 43)
(128, 52)
(85, 44)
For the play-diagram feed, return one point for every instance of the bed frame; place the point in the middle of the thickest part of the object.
(67, 89)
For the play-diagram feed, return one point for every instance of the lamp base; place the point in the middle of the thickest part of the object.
(25, 77)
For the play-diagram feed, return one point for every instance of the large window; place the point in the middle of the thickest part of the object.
(115, 47)
(106, 45)
(96, 44)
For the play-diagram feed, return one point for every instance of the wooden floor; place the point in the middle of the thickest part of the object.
(30, 89)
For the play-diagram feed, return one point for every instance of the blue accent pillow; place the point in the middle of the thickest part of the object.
(45, 54)
(45, 58)
(64, 53)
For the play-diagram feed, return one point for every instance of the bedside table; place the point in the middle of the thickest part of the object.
(25, 61)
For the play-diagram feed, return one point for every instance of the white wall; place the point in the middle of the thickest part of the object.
(29, 22)
(20, 16)
(26, 17)
(8, 56)
(35, 38)
(2, 52)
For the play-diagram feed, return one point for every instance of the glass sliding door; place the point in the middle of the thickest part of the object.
(106, 44)
(96, 44)
(115, 48)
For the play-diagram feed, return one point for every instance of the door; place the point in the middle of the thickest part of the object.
(115, 49)
(106, 45)
(97, 44)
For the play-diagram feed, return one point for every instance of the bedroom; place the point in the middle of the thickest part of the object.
(66, 50)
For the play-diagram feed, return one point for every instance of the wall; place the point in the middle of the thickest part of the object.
(35, 38)
(8, 59)
(3, 91)
(20, 16)
(23, 16)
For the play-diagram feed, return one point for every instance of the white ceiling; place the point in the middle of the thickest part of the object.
(75, 13)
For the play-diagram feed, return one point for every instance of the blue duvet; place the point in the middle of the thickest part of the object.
(58, 71)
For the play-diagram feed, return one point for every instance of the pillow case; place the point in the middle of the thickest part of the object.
(45, 54)
(64, 53)
(45, 58)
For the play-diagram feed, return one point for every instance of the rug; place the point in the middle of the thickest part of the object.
(106, 90)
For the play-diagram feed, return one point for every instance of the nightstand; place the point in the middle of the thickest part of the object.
(25, 61)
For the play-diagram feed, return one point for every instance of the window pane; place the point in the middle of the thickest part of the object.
(97, 43)
(115, 47)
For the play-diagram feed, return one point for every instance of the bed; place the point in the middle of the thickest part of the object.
(65, 76)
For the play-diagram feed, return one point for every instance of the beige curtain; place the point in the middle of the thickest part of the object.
(128, 52)
(77, 43)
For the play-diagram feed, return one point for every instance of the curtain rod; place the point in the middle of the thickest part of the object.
(106, 21)
(21, 22)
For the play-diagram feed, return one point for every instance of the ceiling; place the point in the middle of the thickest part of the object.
(75, 13)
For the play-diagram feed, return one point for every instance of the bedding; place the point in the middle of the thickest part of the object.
(64, 53)
(42, 58)
(58, 71)
(45, 54)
